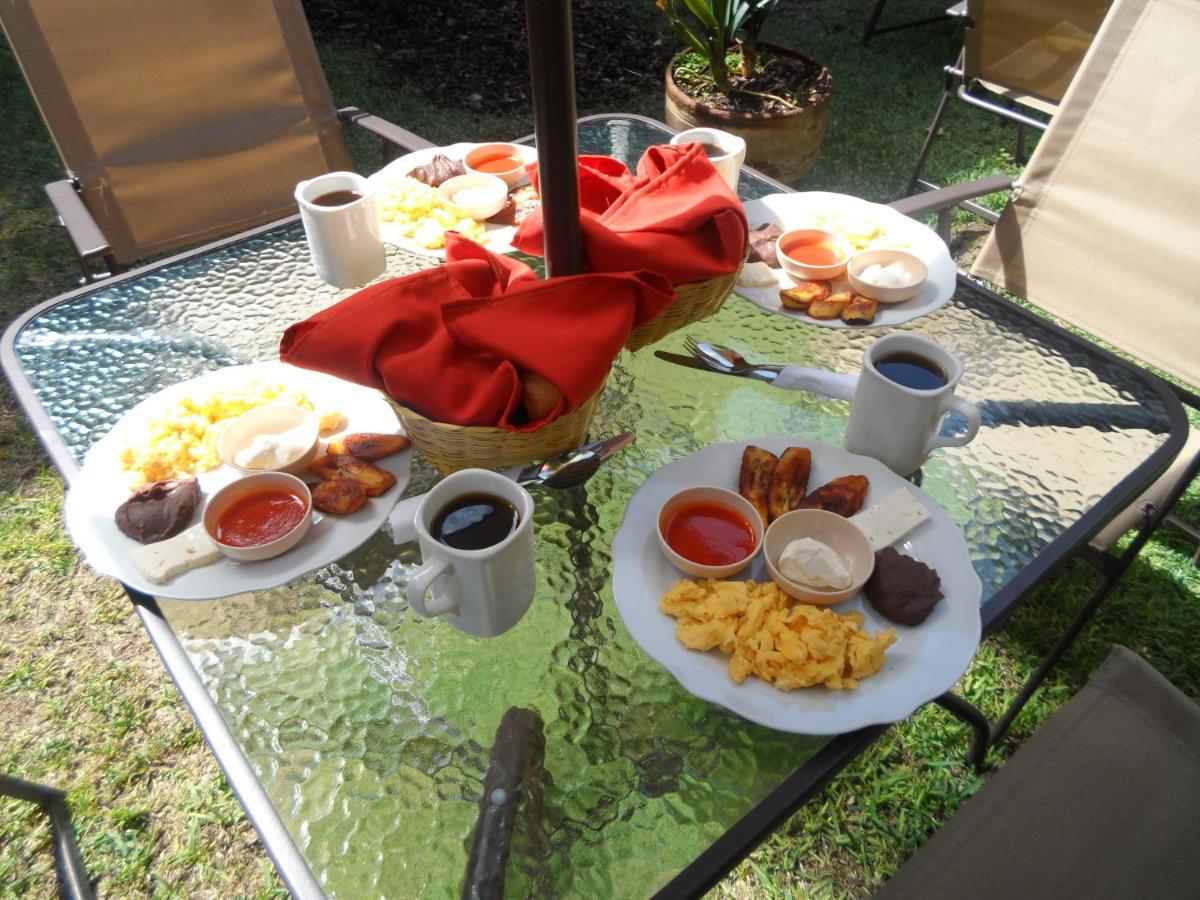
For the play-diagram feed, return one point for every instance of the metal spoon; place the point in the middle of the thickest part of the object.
(724, 359)
(575, 466)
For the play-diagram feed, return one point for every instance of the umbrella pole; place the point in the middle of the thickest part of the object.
(552, 71)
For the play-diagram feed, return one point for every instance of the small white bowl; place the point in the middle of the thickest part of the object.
(271, 419)
(222, 500)
(726, 498)
(846, 539)
(484, 152)
(488, 194)
(911, 264)
(813, 235)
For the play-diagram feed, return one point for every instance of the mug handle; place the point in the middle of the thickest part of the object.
(419, 584)
(967, 410)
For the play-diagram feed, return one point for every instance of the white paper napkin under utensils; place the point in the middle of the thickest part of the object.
(817, 381)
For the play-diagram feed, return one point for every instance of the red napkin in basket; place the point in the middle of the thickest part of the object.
(453, 342)
(677, 216)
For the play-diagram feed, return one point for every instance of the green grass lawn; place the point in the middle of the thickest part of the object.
(85, 703)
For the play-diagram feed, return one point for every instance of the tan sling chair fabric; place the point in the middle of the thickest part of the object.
(1028, 50)
(1103, 228)
(182, 120)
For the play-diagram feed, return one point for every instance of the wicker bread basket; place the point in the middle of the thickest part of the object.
(693, 301)
(453, 447)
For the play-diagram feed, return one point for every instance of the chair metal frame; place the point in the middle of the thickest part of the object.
(72, 875)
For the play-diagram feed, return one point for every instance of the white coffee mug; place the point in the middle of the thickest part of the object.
(345, 240)
(900, 425)
(729, 162)
(484, 592)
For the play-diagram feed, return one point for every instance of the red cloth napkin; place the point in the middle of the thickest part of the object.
(677, 216)
(452, 342)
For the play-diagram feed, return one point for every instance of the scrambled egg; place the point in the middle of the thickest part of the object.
(763, 634)
(183, 439)
(422, 215)
(860, 230)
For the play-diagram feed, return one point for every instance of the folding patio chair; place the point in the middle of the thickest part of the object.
(1023, 52)
(178, 122)
(1102, 802)
(1101, 231)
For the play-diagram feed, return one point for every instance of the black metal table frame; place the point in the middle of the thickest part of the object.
(727, 851)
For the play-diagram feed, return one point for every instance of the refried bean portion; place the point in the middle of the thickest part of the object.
(159, 510)
(903, 590)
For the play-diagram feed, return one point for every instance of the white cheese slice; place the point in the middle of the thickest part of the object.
(164, 560)
(891, 519)
(756, 274)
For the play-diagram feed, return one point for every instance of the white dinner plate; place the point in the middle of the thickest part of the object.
(497, 238)
(813, 209)
(923, 663)
(101, 486)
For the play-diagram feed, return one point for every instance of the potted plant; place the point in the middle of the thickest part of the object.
(775, 98)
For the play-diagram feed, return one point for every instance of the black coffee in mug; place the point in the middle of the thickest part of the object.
(474, 522)
(911, 370)
(337, 198)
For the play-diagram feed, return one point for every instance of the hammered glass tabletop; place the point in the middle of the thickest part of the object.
(370, 728)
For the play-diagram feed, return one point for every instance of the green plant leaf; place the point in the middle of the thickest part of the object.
(702, 11)
(691, 39)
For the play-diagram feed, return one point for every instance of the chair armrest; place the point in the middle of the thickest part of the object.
(85, 234)
(943, 198)
(385, 129)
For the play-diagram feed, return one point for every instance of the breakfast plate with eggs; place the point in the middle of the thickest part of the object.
(860, 226)
(923, 662)
(173, 436)
(414, 218)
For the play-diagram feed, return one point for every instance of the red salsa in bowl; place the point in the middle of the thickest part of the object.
(260, 517)
(709, 533)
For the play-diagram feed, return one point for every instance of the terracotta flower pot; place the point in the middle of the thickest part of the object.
(784, 145)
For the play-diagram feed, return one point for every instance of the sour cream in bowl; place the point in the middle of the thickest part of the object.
(889, 276)
(473, 195)
(811, 551)
(272, 438)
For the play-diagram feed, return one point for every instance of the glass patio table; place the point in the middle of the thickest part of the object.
(357, 735)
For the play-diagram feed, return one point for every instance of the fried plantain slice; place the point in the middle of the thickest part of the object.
(860, 310)
(754, 479)
(367, 445)
(325, 466)
(790, 481)
(844, 496)
(831, 307)
(803, 294)
(339, 496)
(375, 481)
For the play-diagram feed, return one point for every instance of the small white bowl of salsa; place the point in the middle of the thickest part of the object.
(812, 253)
(709, 532)
(502, 160)
(259, 516)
